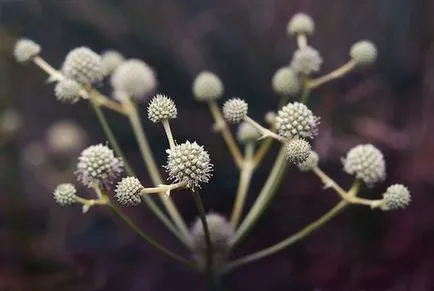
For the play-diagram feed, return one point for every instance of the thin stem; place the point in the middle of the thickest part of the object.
(330, 183)
(290, 240)
(169, 135)
(106, 102)
(202, 216)
(221, 126)
(339, 72)
(244, 183)
(262, 151)
(163, 188)
(148, 158)
(301, 40)
(264, 131)
(147, 238)
(305, 95)
(46, 67)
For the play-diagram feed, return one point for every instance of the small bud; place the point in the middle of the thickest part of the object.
(161, 108)
(270, 117)
(25, 50)
(247, 133)
(396, 196)
(207, 87)
(128, 191)
(65, 137)
(64, 194)
(67, 91)
(301, 23)
(286, 82)
(135, 78)
(296, 120)
(297, 150)
(363, 53)
(110, 61)
(190, 163)
(306, 60)
(83, 65)
(367, 163)
(310, 163)
(234, 110)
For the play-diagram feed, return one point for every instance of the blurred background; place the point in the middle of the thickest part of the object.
(47, 247)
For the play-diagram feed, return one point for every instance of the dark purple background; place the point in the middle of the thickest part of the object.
(45, 247)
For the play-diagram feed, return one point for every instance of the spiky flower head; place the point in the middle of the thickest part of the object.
(64, 194)
(190, 163)
(65, 137)
(207, 87)
(110, 61)
(97, 164)
(297, 150)
(234, 110)
(306, 60)
(25, 50)
(161, 108)
(310, 163)
(365, 162)
(396, 196)
(286, 82)
(296, 120)
(67, 91)
(221, 236)
(128, 191)
(83, 65)
(301, 23)
(363, 53)
(247, 133)
(135, 78)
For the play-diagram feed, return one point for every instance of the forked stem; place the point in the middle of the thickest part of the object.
(264, 131)
(339, 72)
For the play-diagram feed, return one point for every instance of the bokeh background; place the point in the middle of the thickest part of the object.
(46, 247)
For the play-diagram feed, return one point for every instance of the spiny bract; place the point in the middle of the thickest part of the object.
(64, 194)
(396, 196)
(234, 110)
(161, 108)
(296, 120)
(128, 191)
(83, 65)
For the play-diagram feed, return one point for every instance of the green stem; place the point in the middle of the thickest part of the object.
(290, 240)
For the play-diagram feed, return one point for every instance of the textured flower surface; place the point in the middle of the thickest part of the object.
(83, 65)
(297, 150)
(363, 52)
(310, 163)
(67, 91)
(234, 110)
(161, 108)
(189, 163)
(25, 50)
(64, 194)
(397, 196)
(286, 82)
(207, 86)
(306, 60)
(128, 191)
(301, 23)
(296, 120)
(98, 165)
(366, 162)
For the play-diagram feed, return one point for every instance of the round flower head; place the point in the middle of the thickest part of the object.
(65, 137)
(161, 108)
(64, 194)
(286, 82)
(396, 196)
(128, 191)
(135, 78)
(234, 110)
(363, 53)
(189, 163)
(296, 120)
(207, 86)
(270, 117)
(110, 61)
(366, 162)
(83, 65)
(297, 150)
(221, 236)
(25, 50)
(67, 91)
(247, 133)
(310, 163)
(300, 23)
(98, 165)
(306, 60)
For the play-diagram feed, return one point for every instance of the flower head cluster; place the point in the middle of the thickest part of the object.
(128, 191)
(221, 235)
(306, 60)
(207, 87)
(234, 110)
(310, 163)
(301, 23)
(110, 61)
(97, 164)
(135, 78)
(396, 196)
(366, 162)
(161, 108)
(189, 163)
(363, 53)
(247, 133)
(67, 91)
(296, 120)
(64, 194)
(25, 50)
(83, 65)
(297, 150)
(286, 82)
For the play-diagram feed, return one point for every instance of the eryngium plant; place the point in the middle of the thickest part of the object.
(293, 125)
